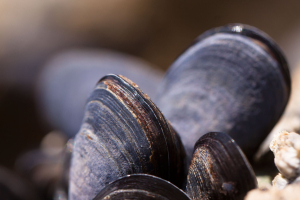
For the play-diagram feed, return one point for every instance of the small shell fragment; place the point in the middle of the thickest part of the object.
(286, 149)
(279, 182)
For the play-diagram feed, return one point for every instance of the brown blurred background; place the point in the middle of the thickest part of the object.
(33, 31)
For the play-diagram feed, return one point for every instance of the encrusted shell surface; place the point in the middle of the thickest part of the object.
(219, 169)
(233, 79)
(141, 186)
(122, 133)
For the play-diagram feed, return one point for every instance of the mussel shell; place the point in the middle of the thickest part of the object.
(68, 78)
(122, 133)
(260, 38)
(141, 186)
(233, 79)
(219, 169)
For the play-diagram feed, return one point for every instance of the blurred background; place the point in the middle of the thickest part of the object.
(33, 33)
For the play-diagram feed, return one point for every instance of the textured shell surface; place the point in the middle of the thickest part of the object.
(141, 186)
(233, 79)
(219, 169)
(122, 133)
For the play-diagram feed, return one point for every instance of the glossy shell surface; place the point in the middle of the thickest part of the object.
(141, 186)
(233, 79)
(122, 133)
(219, 170)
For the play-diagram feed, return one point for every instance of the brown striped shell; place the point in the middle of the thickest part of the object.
(219, 170)
(122, 133)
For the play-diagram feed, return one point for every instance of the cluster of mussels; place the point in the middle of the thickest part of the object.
(213, 109)
(233, 80)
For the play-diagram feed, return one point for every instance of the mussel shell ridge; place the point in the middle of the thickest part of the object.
(219, 169)
(122, 133)
(141, 186)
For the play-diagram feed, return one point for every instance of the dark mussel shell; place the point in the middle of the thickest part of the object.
(141, 186)
(122, 133)
(67, 80)
(233, 79)
(219, 170)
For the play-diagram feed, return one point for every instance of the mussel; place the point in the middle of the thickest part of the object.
(68, 78)
(233, 79)
(141, 186)
(219, 170)
(123, 132)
